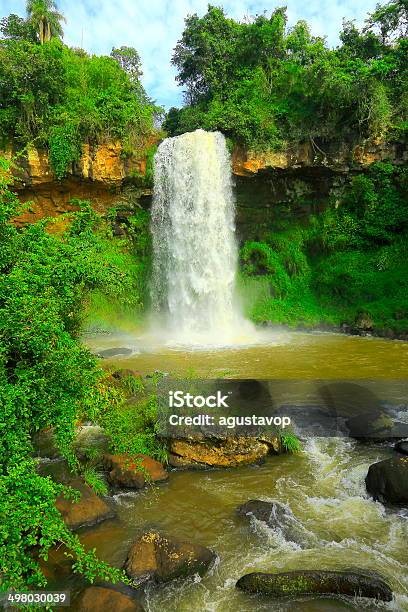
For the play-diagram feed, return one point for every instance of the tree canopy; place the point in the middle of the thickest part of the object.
(56, 97)
(265, 84)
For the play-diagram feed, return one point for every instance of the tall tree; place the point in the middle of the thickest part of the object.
(45, 18)
(129, 60)
(17, 28)
(391, 19)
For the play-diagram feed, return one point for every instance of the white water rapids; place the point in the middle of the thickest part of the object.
(194, 246)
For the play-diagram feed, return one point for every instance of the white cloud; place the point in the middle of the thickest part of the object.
(154, 27)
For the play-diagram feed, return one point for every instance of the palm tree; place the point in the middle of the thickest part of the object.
(45, 18)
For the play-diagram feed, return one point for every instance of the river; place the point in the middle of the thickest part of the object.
(341, 526)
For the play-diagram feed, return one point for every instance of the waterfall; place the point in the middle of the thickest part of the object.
(194, 246)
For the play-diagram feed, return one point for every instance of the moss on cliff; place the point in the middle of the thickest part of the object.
(345, 266)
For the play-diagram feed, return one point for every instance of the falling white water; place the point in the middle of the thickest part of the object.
(194, 244)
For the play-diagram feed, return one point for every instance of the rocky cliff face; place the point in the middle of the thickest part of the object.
(100, 175)
(300, 180)
(296, 181)
(338, 157)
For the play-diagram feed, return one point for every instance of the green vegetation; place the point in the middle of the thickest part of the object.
(95, 480)
(45, 19)
(265, 85)
(59, 98)
(132, 255)
(290, 443)
(349, 261)
(133, 428)
(47, 378)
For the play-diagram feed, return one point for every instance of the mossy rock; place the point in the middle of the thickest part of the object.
(317, 582)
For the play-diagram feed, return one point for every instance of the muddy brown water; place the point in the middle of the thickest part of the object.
(341, 526)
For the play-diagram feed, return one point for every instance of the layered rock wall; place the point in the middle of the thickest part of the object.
(300, 180)
(100, 175)
(294, 182)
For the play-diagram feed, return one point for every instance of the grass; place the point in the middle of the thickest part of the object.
(290, 443)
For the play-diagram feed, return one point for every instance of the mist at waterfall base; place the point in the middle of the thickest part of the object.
(195, 253)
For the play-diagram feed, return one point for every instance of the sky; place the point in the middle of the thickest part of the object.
(153, 27)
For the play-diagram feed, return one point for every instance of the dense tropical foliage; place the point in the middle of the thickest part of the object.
(348, 262)
(56, 97)
(265, 84)
(270, 86)
(47, 378)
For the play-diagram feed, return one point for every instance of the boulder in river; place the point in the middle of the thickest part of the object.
(387, 481)
(261, 510)
(375, 425)
(231, 451)
(133, 471)
(317, 582)
(88, 511)
(158, 558)
(109, 600)
(278, 517)
(402, 447)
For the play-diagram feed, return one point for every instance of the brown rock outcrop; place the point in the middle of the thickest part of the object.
(295, 176)
(88, 511)
(134, 471)
(155, 557)
(337, 157)
(98, 598)
(220, 452)
(98, 176)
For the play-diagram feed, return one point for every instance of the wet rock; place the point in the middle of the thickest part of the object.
(114, 352)
(229, 451)
(155, 557)
(387, 481)
(88, 511)
(364, 322)
(261, 510)
(349, 399)
(256, 507)
(316, 582)
(109, 600)
(57, 469)
(374, 425)
(90, 437)
(135, 471)
(402, 447)
(278, 517)
(44, 444)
